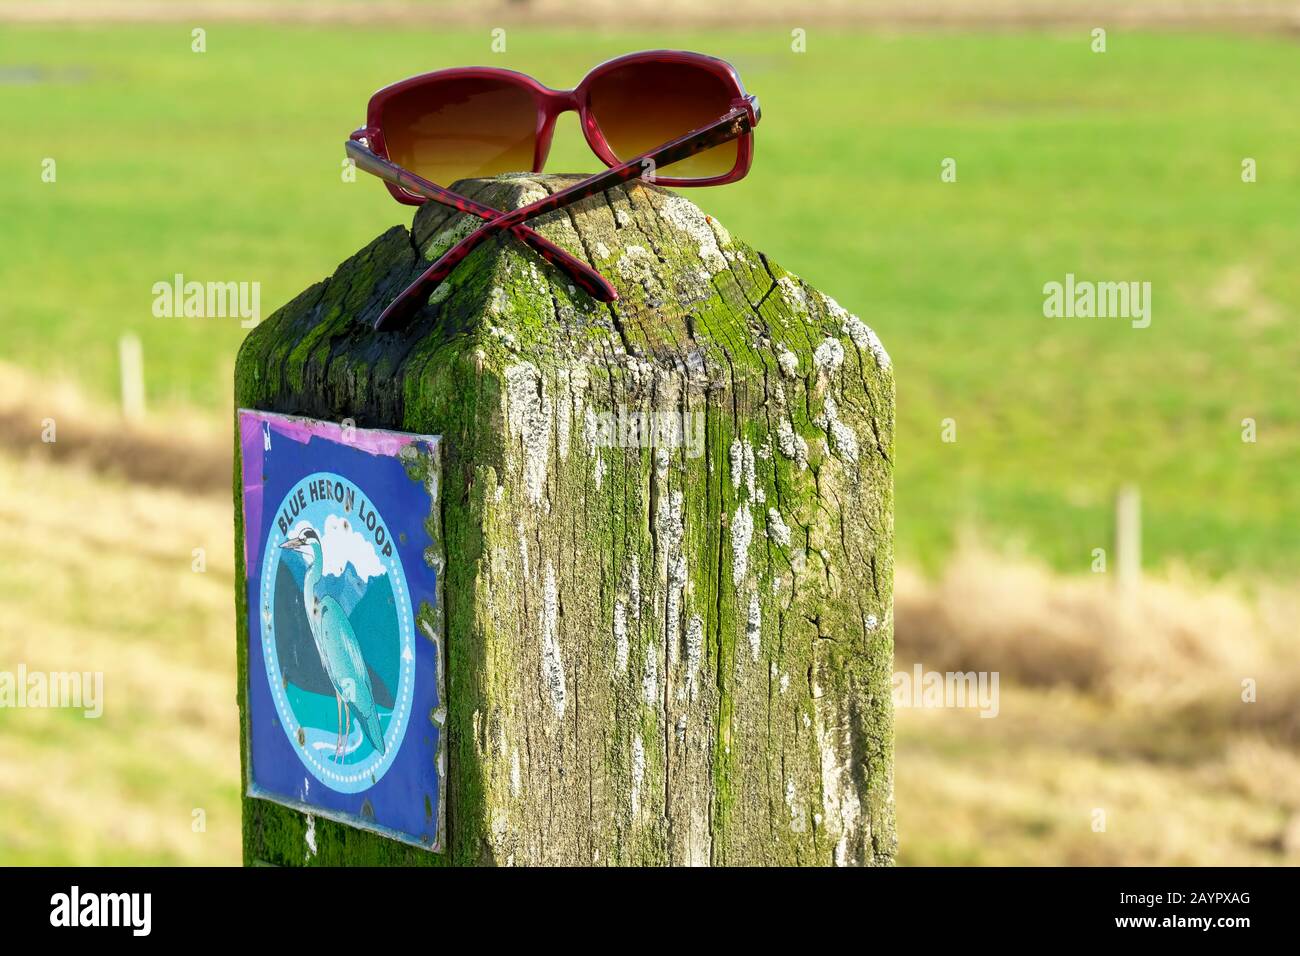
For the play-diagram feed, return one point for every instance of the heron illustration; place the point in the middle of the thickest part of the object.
(340, 653)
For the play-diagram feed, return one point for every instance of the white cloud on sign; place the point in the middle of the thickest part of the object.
(341, 543)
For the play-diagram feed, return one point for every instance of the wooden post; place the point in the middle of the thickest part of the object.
(130, 355)
(668, 527)
(1128, 542)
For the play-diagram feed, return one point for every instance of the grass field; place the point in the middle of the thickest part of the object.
(1117, 166)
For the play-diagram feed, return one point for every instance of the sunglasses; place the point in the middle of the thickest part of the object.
(669, 117)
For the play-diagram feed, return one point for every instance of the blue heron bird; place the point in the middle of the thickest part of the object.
(340, 653)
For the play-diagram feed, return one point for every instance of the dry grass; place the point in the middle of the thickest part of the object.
(1135, 710)
(173, 447)
(99, 577)
(1179, 645)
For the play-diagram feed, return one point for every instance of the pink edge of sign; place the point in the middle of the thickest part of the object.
(251, 424)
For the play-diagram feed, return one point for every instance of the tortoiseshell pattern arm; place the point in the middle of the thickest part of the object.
(734, 124)
(587, 278)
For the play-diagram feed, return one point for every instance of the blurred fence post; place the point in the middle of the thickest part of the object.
(1128, 542)
(131, 366)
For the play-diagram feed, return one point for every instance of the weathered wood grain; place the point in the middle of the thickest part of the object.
(668, 654)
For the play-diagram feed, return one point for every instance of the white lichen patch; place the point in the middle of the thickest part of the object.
(797, 822)
(598, 473)
(506, 337)
(538, 280)
(777, 530)
(877, 348)
(858, 331)
(552, 665)
(844, 441)
(722, 234)
(754, 626)
(530, 424)
(674, 604)
(687, 218)
(829, 356)
(841, 808)
(793, 294)
(650, 679)
(601, 250)
(694, 648)
(516, 774)
(530, 193)
(788, 361)
(498, 302)
(638, 265)
(579, 382)
(742, 532)
(872, 622)
(622, 218)
(742, 466)
(791, 444)
(638, 773)
(500, 824)
(670, 528)
(620, 637)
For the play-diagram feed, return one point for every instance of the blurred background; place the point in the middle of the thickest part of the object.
(1162, 690)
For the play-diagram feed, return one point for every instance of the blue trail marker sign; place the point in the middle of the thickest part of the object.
(345, 668)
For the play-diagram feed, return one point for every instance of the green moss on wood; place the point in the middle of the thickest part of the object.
(752, 724)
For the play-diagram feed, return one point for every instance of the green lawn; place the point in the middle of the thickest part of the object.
(1116, 166)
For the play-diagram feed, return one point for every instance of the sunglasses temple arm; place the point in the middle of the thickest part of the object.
(412, 299)
(587, 278)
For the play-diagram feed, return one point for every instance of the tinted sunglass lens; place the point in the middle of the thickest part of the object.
(461, 128)
(641, 105)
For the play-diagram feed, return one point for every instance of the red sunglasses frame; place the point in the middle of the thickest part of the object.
(587, 278)
(367, 148)
(737, 122)
(552, 103)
